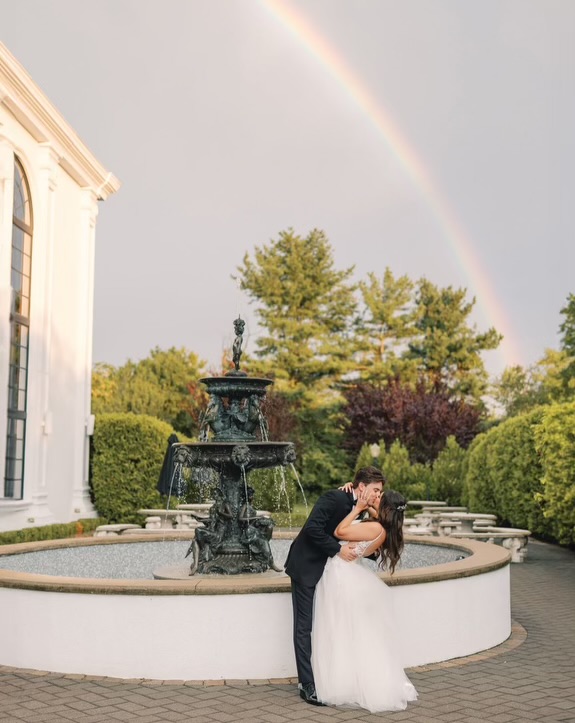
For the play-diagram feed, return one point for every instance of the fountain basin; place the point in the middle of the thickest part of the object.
(220, 455)
(239, 626)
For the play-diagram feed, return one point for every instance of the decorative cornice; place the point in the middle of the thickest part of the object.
(28, 104)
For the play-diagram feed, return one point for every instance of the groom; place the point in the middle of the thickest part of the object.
(307, 557)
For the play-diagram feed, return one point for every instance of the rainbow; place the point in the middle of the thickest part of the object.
(407, 158)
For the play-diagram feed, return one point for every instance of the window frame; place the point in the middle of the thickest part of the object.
(18, 365)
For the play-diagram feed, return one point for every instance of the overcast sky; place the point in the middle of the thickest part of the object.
(228, 121)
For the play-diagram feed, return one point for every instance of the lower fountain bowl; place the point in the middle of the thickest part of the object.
(231, 627)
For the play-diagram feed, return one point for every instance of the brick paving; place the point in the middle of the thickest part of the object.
(529, 678)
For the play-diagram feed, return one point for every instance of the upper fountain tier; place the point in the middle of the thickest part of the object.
(239, 386)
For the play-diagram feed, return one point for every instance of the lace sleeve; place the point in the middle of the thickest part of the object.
(362, 546)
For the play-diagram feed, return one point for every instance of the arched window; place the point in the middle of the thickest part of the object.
(19, 335)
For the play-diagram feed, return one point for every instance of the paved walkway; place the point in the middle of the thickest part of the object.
(529, 678)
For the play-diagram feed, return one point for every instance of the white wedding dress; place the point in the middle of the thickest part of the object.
(356, 656)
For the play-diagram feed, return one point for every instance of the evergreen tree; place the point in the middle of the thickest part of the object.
(567, 330)
(304, 308)
(448, 473)
(385, 326)
(411, 479)
(447, 349)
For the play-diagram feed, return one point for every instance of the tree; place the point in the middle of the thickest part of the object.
(447, 350)
(448, 473)
(567, 330)
(403, 475)
(164, 385)
(304, 308)
(420, 418)
(551, 379)
(567, 327)
(385, 326)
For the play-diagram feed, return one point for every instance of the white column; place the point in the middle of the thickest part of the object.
(6, 203)
(82, 506)
(39, 413)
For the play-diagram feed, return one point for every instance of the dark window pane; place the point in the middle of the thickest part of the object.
(22, 209)
(16, 280)
(19, 198)
(21, 262)
(17, 241)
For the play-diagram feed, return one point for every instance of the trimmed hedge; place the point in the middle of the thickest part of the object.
(555, 444)
(51, 532)
(127, 455)
(524, 471)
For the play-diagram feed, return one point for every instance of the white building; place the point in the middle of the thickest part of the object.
(50, 185)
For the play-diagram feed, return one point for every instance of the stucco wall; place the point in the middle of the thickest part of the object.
(65, 206)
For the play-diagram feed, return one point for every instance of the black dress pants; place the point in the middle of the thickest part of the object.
(302, 600)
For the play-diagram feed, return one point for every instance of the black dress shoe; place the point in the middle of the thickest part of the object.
(307, 693)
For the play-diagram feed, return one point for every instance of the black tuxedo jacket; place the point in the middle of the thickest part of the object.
(315, 542)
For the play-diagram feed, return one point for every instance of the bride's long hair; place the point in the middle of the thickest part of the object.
(391, 508)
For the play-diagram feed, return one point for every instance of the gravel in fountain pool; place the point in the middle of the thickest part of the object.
(136, 561)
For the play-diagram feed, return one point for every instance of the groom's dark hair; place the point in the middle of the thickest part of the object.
(368, 475)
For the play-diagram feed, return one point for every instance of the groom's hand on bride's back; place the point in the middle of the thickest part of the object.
(348, 553)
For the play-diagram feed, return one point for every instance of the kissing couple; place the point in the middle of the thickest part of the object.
(344, 637)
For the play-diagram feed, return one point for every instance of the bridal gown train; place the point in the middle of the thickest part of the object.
(356, 657)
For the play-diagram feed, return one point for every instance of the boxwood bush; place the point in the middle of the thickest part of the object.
(555, 445)
(52, 532)
(127, 455)
(524, 471)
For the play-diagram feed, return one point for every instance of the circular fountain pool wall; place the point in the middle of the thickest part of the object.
(228, 626)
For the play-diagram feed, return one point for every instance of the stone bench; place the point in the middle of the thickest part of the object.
(167, 518)
(441, 510)
(513, 539)
(450, 522)
(419, 531)
(196, 506)
(425, 503)
(114, 530)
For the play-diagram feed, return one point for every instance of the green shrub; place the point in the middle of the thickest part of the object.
(523, 470)
(448, 472)
(478, 490)
(127, 455)
(365, 457)
(555, 444)
(515, 472)
(412, 480)
(51, 532)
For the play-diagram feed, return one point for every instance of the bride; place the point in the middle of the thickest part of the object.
(356, 657)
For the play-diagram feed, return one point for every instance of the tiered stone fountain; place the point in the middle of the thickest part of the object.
(233, 430)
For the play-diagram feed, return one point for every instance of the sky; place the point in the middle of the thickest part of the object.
(431, 137)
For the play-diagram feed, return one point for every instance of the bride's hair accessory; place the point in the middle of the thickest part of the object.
(400, 508)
